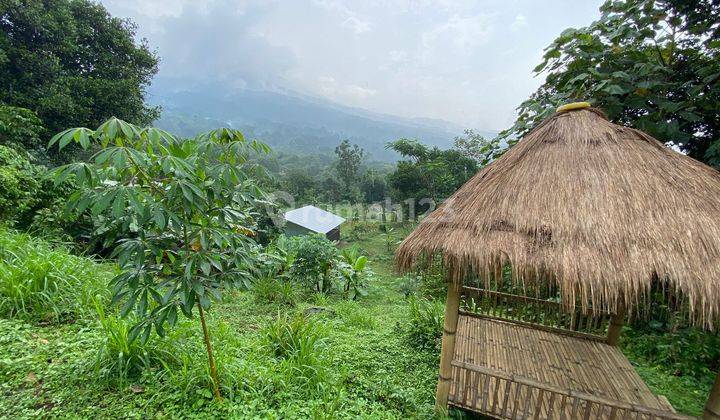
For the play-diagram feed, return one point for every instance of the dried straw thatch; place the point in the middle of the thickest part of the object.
(598, 210)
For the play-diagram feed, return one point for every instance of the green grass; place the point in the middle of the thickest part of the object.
(280, 353)
(45, 284)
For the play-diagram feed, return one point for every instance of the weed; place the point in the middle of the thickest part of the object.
(270, 290)
(426, 322)
(121, 359)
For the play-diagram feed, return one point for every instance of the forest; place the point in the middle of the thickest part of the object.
(143, 272)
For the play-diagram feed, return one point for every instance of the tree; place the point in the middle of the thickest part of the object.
(373, 186)
(649, 64)
(348, 163)
(73, 64)
(427, 173)
(21, 128)
(185, 211)
(476, 147)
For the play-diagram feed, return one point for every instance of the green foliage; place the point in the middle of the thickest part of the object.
(271, 290)
(20, 128)
(31, 201)
(347, 166)
(427, 173)
(476, 147)
(181, 210)
(121, 359)
(298, 342)
(314, 260)
(40, 283)
(681, 350)
(73, 64)
(18, 184)
(648, 64)
(353, 272)
(426, 322)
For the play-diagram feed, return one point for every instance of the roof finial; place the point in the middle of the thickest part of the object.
(573, 106)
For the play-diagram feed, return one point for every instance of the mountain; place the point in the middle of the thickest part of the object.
(289, 121)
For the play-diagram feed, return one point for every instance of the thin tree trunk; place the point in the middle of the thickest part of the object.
(211, 359)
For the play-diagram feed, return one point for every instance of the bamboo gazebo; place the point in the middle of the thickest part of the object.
(595, 213)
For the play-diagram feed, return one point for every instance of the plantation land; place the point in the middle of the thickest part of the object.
(354, 359)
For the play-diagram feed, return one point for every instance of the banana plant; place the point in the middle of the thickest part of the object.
(352, 269)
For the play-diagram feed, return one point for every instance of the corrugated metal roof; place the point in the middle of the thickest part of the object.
(313, 218)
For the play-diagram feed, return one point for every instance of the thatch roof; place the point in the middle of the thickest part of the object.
(598, 209)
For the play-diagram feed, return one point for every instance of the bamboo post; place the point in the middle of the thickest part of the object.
(712, 407)
(615, 326)
(452, 310)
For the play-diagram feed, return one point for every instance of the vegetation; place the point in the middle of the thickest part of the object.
(72, 64)
(175, 208)
(140, 226)
(649, 64)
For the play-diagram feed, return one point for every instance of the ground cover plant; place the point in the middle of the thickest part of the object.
(324, 356)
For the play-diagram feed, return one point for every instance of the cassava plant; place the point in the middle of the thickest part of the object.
(183, 210)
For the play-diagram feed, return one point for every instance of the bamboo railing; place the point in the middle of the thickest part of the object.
(532, 311)
(506, 396)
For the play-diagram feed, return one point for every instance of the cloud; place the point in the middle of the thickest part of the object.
(349, 18)
(217, 41)
(348, 93)
(519, 23)
(466, 61)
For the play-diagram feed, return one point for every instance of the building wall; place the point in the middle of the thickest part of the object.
(334, 235)
(291, 229)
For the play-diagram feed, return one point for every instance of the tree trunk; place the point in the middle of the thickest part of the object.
(211, 359)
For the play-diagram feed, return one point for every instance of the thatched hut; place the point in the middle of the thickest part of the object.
(599, 213)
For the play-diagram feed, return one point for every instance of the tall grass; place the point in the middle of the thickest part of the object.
(119, 359)
(40, 282)
(298, 343)
(426, 322)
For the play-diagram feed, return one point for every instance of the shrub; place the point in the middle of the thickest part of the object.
(43, 283)
(18, 184)
(426, 322)
(314, 260)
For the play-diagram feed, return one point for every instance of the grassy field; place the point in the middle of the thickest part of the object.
(77, 362)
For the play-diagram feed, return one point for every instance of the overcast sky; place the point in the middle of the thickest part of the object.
(468, 62)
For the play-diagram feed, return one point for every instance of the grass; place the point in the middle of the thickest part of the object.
(45, 284)
(280, 353)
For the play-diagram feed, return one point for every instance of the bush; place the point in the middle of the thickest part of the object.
(426, 322)
(21, 128)
(42, 283)
(314, 260)
(18, 184)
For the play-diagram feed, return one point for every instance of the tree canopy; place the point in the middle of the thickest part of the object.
(73, 64)
(649, 64)
(427, 173)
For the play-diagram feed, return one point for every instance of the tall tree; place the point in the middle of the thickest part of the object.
(427, 173)
(650, 64)
(349, 158)
(72, 63)
(477, 147)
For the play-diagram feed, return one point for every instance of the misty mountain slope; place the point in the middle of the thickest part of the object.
(291, 122)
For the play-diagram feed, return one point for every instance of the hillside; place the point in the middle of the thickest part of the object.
(289, 121)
